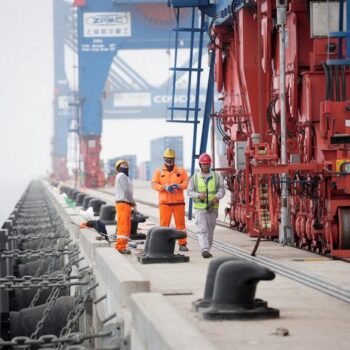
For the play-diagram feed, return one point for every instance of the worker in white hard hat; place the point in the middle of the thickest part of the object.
(124, 201)
(206, 188)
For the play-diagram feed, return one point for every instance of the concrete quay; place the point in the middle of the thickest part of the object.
(154, 302)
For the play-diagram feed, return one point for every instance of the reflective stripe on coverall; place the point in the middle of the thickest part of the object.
(124, 225)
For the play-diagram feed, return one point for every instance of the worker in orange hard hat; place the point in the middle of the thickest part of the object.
(124, 201)
(170, 181)
(206, 188)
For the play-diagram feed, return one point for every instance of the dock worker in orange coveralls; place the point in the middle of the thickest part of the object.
(124, 201)
(170, 181)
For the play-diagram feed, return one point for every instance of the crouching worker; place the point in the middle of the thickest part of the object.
(124, 201)
(206, 188)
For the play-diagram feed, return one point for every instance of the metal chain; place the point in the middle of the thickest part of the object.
(48, 271)
(30, 253)
(45, 313)
(36, 296)
(50, 339)
(68, 267)
(38, 292)
(42, 263)
(41, 283)
(67, 329)
(32, 236)
(74, 315)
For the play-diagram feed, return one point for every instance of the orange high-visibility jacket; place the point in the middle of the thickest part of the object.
(162, 177)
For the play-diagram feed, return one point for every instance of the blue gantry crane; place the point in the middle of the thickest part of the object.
(63, 94)
(101, 28)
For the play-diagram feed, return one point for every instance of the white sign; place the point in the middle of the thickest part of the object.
(132, 99)
(63, 102)
(107, 24)
(325, 18)
(178, 98)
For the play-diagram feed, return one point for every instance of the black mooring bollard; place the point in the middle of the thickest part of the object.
(233, 292)
(160, 245)
(96, 205)
(136, 218)
(209, 284)
(206, 301)
(75, 195)
(80, 199)
(107, 214)
(86, 201)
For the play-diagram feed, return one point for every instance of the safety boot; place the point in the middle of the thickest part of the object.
(206, 254)
(183, 248)
(125, 251)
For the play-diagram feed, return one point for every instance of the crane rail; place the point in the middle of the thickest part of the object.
(306, 279)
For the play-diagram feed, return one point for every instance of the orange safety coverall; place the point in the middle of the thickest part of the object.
(124, 225)
(171, 203)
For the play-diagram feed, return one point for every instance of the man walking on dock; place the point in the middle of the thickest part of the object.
(124, 201)
(170, 181)
(206, 188)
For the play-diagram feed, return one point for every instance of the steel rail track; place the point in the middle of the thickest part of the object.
(298, 276)
(306, 279)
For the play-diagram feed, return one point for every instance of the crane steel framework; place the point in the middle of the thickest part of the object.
(96, 31)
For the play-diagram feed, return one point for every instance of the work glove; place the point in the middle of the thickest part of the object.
(169, 189)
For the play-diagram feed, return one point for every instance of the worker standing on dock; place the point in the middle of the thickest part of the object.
(124, 201)
(170, 181)
(206, 188)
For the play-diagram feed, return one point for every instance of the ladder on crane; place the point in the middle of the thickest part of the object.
(188, 111)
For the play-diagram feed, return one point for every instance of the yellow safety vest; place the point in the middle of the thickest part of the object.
(210, 188)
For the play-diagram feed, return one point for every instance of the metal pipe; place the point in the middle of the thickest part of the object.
(285, 229)
(213, 135)
(260, 77)
(343, 83)
(175, 62)
(196, 107)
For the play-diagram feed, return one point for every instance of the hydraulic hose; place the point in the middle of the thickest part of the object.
(343, 81)
(325, 67)
(337, 87)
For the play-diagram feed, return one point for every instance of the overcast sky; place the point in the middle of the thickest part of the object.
(26, 85)
(26, 91)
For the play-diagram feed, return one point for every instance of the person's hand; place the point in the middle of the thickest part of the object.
(169, 189)
(175, 186)
(202, 196)
(214, 200)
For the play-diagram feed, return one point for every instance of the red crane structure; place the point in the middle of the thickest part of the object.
(282, 69)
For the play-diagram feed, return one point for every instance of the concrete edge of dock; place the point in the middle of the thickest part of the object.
(148, 320)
